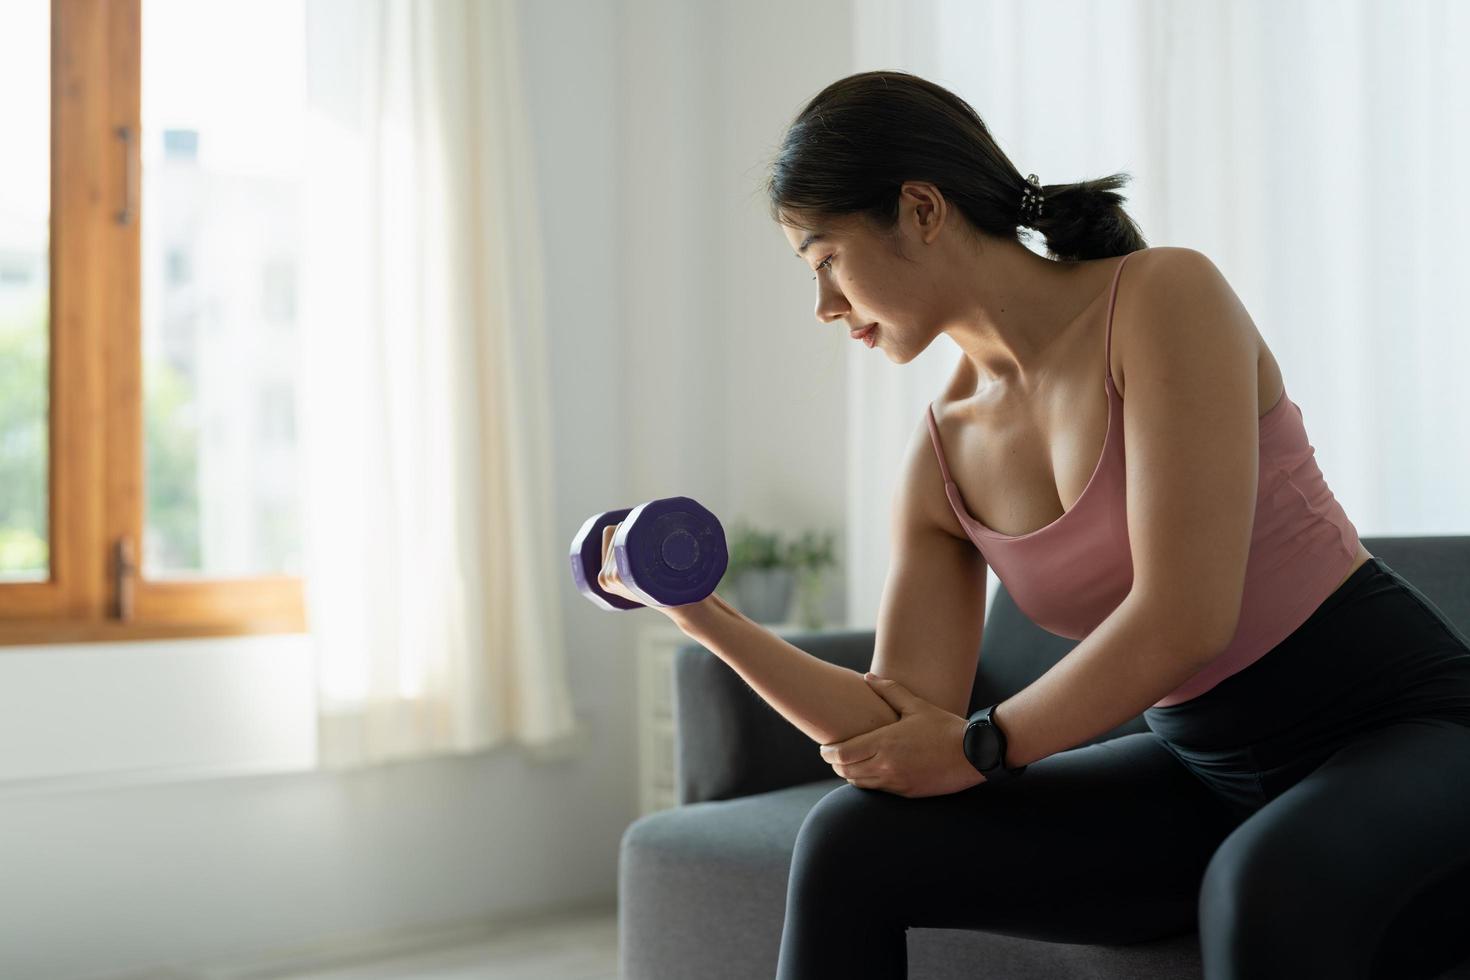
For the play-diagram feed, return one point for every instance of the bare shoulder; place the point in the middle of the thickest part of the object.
(1177, 290)
(921, 502)
(1170, 268)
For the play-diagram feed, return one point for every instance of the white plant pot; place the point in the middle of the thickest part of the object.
(764, 594)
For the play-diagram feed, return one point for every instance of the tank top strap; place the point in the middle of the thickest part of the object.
(1112, 299)
(938, 446)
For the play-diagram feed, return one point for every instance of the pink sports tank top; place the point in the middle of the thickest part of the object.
(1070, 574)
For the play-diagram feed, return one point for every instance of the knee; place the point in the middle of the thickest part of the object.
(840, 843)
(1249, 911)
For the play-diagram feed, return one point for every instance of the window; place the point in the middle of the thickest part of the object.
(148, 270)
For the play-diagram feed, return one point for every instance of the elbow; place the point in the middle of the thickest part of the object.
(1197, 635)
(1219, 632)
(1207, 639)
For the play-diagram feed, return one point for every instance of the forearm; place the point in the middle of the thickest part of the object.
(1112, 675)
(828, 702)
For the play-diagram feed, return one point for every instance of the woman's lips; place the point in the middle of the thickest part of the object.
(864, 333)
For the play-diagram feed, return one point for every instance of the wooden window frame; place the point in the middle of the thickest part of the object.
(96, 592)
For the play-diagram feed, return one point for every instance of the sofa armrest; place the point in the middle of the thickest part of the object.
(728, 742)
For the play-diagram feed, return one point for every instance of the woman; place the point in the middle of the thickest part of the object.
(1307, 768)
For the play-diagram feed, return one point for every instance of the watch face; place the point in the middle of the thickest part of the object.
(982, 745)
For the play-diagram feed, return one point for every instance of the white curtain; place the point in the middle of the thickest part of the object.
(432, 567)
(1316, 151)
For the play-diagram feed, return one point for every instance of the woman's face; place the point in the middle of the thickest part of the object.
(860, 279)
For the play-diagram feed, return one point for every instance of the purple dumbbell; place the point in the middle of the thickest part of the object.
(670, 551)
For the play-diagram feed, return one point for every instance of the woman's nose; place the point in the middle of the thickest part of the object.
(827, 312)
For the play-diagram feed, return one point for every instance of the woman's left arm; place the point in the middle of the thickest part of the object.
(1192, 438)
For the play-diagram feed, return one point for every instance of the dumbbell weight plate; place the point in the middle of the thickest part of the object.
(671, 551)
(587, 561)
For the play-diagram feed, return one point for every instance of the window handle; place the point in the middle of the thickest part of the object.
(125, 570)
(130, 175)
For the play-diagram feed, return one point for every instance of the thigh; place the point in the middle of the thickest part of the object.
(1102, 843)
(1311, 883)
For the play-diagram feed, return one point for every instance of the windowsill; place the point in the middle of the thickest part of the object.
(111, 715)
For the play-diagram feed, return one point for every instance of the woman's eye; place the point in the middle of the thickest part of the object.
(827, 262)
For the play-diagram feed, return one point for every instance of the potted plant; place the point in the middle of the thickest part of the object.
(809, 556)
(760, 584)
(764, 573)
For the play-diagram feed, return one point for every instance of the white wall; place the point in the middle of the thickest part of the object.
(735, 390)
(672, 298)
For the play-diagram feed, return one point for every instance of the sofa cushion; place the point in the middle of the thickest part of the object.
(702, 893)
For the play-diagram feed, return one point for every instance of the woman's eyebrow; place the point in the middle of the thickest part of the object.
(815, 236)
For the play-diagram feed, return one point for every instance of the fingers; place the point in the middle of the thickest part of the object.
(853, 755)
(607, 578)
(859, 770)
(864, 775)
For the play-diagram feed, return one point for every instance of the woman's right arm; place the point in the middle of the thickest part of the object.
(828, 702)
(930, 621)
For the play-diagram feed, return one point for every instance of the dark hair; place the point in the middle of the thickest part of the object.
(851, 148)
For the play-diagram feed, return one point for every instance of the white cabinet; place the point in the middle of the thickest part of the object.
(656, 645)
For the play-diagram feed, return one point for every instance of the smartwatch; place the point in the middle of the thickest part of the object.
(985, 746)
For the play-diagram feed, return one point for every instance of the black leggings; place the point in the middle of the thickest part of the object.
(1309, 815)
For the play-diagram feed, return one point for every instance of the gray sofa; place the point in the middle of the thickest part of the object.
(702, 886)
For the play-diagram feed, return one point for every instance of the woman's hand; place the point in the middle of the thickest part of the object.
(683, 614)
(607, 576)
(921, 754)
